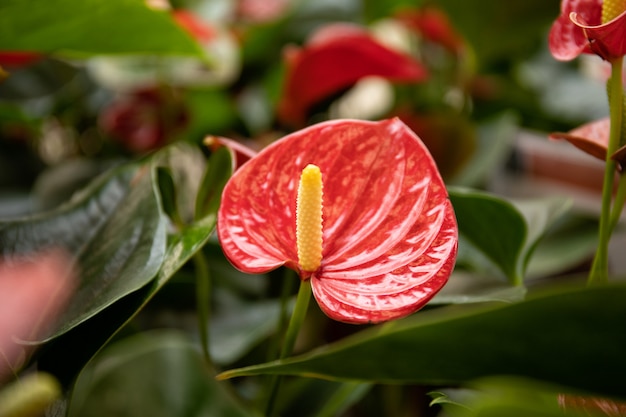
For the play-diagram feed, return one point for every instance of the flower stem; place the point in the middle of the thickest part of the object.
(297, 319)
(289, 280)
(599, 269)
(618, 204)
(203, 301)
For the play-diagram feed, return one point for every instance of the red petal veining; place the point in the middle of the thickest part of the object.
(390, 233)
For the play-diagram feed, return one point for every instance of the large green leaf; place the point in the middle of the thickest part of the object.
(67, 354)
(157, 374)
(573, 337)
(506, 232)
(115, 229)
(492, 225)
(91, 27)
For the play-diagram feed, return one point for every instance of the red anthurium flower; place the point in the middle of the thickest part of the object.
(388, 230)
(579, 29)
(336, 57)
(593, 138)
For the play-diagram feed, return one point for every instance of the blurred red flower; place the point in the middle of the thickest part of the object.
(146, 119)
(434, 25)
(18, 59)
(194, 26)
(33, 292)
(389, 235)
(333, 59)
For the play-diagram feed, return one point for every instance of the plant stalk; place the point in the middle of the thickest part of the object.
(203, 301)
(295, 324)
(599, 270)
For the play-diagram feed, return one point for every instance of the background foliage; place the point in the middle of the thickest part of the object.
(138, 210)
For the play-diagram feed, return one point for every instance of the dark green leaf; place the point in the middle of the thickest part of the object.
(186, 165)
(65, 356)
(167, 190)
(158, 374)
(506, 232)
(571, 337)
(114, 228)
(218, 171)
(494, 226)
(91, 27)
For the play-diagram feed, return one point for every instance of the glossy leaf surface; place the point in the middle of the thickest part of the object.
(86, 27)
(116, 230)
(389, 230)
(335, 58)
(571, 337)
(67, 353)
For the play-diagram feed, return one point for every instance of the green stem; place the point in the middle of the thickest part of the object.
(599, 270)
(289, 279)
(297, 319)
(203, 301)
(618, 204)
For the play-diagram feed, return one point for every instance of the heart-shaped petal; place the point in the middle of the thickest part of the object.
(336, 57)
(389, 230)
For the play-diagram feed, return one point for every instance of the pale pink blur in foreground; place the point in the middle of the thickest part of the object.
(33, 292)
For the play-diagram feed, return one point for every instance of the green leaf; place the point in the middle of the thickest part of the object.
(165, 182)
(570, 244)
(65, 356)
(114, 228)
(573, 337)
(540, 215)
(158, 374)
(465, 287)
(518, 397)
(237, 330)
(493, 225)
(506, 232)
(91, 27)
(218, 171)
(185, 165)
